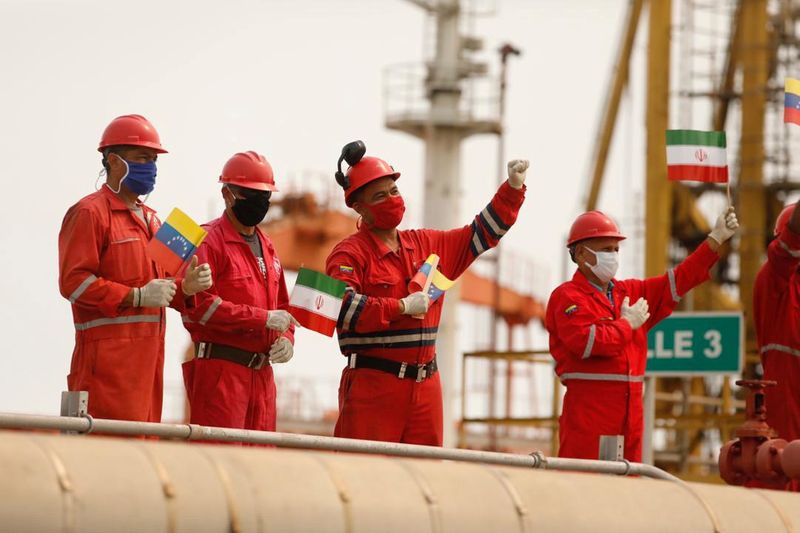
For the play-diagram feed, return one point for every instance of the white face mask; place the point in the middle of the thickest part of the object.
(607, 265)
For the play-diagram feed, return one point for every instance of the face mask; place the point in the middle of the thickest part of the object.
(387, 214)
(607, 265)
(252, 209)
(140, 178)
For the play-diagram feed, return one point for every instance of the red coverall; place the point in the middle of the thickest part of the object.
(776, 312)
(119, 351)
(601, 360)
(234, 312)
(374, 404)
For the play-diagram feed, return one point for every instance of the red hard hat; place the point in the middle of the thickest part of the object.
(250, 170)
(593, 225)
(131, 130)
(783, 218)
(365, 171)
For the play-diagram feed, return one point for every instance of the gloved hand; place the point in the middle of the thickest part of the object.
(157, 293)
(197, 278)
(415, 303)
(517, 169)
(725, 227)
(281, 351)
(637, 314)
(280, 320)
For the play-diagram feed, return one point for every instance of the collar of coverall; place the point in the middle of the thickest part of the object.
(384, 250)
(587, 286)
(117, 204)
(230, 234)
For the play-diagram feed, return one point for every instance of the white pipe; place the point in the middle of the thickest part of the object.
(314, 442)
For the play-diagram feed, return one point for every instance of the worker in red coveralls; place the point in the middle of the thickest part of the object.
(118, 294)
(598, 332)
(390, 389)
(776, 312)
(240, 327)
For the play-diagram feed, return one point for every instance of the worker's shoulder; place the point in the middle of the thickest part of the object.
(91, 204)
(567, 288)
(354, 244)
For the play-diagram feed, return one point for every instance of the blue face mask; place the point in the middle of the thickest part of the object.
(140, 177)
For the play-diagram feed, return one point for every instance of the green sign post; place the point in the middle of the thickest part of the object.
(696, 344)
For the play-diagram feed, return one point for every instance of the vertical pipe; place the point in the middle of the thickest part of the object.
(556, 411)
(649, 419)
(659, 191)
(442, 177)
(509, 373)
(614, 97)
(658, 206)
(754, 61)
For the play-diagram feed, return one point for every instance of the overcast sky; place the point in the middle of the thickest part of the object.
(293, 80)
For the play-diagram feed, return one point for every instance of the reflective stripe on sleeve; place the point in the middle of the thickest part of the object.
(478, 244)
(91, 278)
(673, 287)
(601, 377)
(355, 302)
(780, 348)
(210, 311)
(790, 251)
(131, 319)
(493, 223)
(590, 343)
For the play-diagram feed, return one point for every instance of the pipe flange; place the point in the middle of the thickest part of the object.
(539, 459)
(88, 417)
(628, 467)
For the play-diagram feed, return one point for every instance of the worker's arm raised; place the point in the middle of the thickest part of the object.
(458, 248)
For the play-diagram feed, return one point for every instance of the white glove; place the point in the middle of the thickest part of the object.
(281, 351)
(197, 278)
(725, 227)
(280, 320)
(157, 293)
(637, 314)
(416, 303)
(517, 169)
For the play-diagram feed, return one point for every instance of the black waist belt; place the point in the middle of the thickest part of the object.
(401, 370)
(207, 350)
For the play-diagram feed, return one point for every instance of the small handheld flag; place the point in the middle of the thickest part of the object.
(429, 279)
(316, 301)
(176, 241)
(697, 156)
(791, 101)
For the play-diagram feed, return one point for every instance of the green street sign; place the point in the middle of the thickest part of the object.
(699, 343)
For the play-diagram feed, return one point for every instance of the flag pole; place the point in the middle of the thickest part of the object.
(427, 286)
(728, 189)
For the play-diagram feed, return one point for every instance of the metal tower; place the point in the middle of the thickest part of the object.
(442, 101)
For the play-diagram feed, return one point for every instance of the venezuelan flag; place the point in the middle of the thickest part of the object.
(791, 101)
(175, 241)
(439, 282)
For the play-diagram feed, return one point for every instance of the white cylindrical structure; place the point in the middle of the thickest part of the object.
(98, 484)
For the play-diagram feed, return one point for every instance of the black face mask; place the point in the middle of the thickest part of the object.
(251, 209)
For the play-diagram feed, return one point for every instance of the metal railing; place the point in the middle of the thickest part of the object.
(193, 432)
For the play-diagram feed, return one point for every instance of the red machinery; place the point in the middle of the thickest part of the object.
(756, 455)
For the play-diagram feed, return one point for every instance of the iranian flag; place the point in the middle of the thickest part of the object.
(697, 156)
(316, 300)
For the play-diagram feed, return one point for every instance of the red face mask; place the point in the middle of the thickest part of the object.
(386, 214)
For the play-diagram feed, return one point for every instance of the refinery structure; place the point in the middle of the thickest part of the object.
(711, 65)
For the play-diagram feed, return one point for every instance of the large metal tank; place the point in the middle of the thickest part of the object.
(96, 484)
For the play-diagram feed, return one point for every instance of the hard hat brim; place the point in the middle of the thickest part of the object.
(245, 184)
(599, 235)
